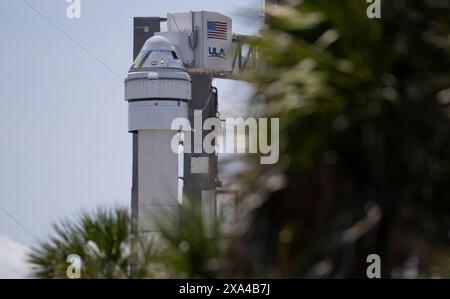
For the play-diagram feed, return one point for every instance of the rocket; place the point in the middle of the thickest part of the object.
(158, 91)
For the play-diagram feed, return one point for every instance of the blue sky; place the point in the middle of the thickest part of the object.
(64, 144)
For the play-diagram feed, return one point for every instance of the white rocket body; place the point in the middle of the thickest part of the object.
(158, 90)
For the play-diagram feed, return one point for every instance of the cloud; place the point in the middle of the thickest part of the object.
(12, 258)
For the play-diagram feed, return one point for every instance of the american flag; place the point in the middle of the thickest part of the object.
(217, 30)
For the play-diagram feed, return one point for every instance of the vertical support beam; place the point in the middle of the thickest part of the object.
(134, 185)
(269, 3)
(144, 28)
(203, 98)
(134, 206)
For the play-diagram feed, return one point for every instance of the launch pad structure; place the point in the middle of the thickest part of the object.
(172, 77)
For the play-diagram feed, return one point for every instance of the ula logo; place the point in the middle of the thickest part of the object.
(214, 52)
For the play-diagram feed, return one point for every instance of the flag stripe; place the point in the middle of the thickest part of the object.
(221, 38)
(216, 34)
(217, 30)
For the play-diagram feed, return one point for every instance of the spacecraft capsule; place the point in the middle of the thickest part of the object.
(157, 86)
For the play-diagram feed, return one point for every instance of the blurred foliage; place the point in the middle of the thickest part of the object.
(193, 243)
(100, 239)
(185, 247)
(364, 109)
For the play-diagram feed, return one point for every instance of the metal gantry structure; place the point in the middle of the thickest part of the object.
(172, 77)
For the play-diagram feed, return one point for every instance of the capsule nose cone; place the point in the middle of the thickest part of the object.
(158, 52)
(157, 41)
